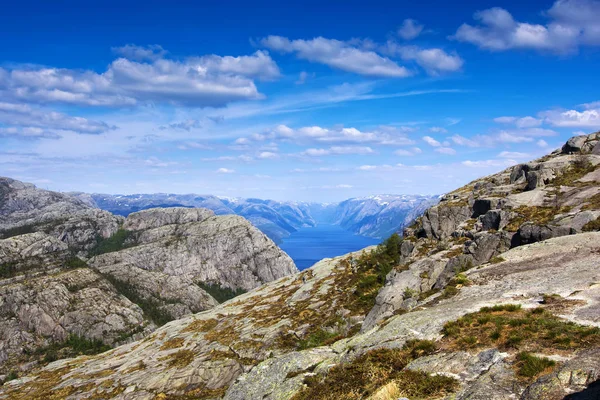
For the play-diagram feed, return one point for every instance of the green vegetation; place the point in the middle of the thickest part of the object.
(8, 269)
(75, 345)
(497, 260)
(373, 267)
(219, 293)
(592, 226)
(535, 214)
(375, 369)
(16, 231)
(11, 376)
(149, 306)
(593, 203)
(577, 170)
(530, 366)
(74, 262)
(318, 338)
(508, 326)
(119, 241)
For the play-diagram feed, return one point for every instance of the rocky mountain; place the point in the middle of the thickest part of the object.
(75, 279)
(380, 216)
(374, 216)
(494, 293)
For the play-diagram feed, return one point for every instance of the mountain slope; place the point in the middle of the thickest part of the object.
(391, 319)
(74, 278)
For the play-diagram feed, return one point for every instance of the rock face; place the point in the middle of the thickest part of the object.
(195, 244)
(489, 307)
(85, 273)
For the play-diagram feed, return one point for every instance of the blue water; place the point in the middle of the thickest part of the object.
(309, 245)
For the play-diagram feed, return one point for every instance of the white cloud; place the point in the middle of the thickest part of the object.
(338, 150)
(411, 152)
(367, 167)
(438, 129)
(316, 134)
(542, 143)
(26, 116)
(303, 76)
(463, 141)
(432, 60)
(140, 53)
(572, 23)
(431, 141)
(268, 155)
(198, 81)
(339, 55)
(513, 155)
(343, 186)
(528, 122)
(410, 29)
(225, 171)
(446, 150)
(505, 120)
(589, 118)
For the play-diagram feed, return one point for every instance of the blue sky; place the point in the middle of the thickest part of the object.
(314, 101)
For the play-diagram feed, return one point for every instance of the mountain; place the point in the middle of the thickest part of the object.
(380, 216)
(374, 216)
(493, 293)
(76, 277)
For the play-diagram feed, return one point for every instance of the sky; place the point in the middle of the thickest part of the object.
(308, 101)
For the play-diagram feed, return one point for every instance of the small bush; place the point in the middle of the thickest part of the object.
(11, 376)
(531, 366)
(318, 338)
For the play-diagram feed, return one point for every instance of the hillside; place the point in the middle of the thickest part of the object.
(75, 279)
(493, 293)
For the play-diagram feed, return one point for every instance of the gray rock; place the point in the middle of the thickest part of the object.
(581, 144)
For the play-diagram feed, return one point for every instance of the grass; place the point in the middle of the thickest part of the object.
(592, 226)
(11, 376)
(219, 293)
(8, 269)
(531, 366)
(576, 170)
(149, 306)
(179, 359)
(538, 215)
(510, 327)
(119, 241)
(320, 337)
(369, 373)
(593, 203)
(497, 260)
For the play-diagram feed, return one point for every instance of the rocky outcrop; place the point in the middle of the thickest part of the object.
(144, 270)
(194, 244)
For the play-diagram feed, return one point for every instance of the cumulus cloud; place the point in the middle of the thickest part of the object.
(431, 141)
(339, 55)
(405, 152)
(410, 29)
(525, 122)
(433, 60)
(572, 23)
(225, 171)
(25, 116)
(268, 155)
(198, 81)
(587, 118)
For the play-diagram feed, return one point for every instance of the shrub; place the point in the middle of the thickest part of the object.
(119, 241)
(375, 369)
(531, 366)
(220, 293)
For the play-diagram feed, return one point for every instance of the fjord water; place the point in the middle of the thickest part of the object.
(309, 245)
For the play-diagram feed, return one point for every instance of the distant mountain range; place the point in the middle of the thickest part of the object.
(374, 216)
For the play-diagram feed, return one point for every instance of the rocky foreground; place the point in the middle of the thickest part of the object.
(494, 293)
